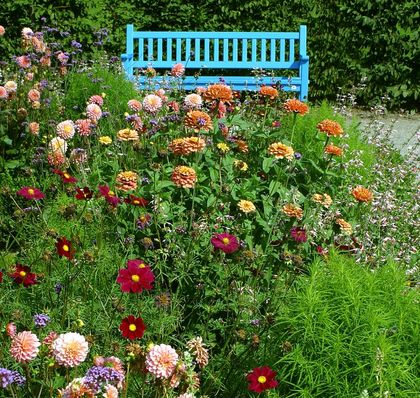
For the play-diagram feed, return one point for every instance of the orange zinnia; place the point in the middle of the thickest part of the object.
(184, 177)
(333, 150)
(330, 127)
(296, 106)
(269, 91)
(293, 211)
(281, 151)
(198, 120)
(362, 194)
(219, 92)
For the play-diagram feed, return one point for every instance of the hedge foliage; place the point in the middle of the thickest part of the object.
(348, 40)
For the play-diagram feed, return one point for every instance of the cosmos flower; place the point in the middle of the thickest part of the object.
(134, 279)
(66, 177)
(132, 327)
(65, 248)
(31, 193)
(136, 201)
(109, 195)
(83, 194)
(22, 275)
(225, 242)
(261, 379)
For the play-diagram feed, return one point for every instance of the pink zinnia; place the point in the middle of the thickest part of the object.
(70, 349)
(24, 346)
(161, 361)
(298, 234)
(31, 193)
(178, 70)
(225, 242)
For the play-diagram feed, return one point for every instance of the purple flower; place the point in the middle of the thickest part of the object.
(41, 320)
(8, 377)
(298, 155)
(97, 376)
(58, 287)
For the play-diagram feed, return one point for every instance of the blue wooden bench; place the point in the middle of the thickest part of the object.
(215, 51)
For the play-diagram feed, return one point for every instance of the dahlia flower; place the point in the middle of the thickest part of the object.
(193, 101)
(134, 105)
(178, 70)
(152, 103)
(94, 112)
(70, 349)
(58, 144)
(161, 361)
(24, 347)
(66, 129)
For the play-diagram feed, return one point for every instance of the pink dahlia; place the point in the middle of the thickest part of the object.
(193, 101)
(161, 361)
(3, 93)
(178, 70)
(152, 103)
(134, 105)
(23, 61)
(83, 127)
(70, 349)
(94, 112)
(225, 242)
(96, 99)
(65, 129)
(24, 346)
(110, 391)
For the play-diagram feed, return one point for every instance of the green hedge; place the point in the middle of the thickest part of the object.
(348, 39)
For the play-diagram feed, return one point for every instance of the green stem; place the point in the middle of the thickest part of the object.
(293, 128)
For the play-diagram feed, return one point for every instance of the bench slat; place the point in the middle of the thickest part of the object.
(197, 49)
(215, 35)
(187, 49)
(235, 50)
(292, 50)
(169, 50)
(206, 50)
(244, 50)
(263, 50)
(225, 50)
(282, 50)
(272, 50)
(216, 50)
(254, 50)
(222, 65)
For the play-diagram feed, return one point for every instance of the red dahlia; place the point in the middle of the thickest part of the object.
(225, 242)
(261, 379)
(31, 193)
(134, 279)
(132, 327)
(64, 248)
(23, 275)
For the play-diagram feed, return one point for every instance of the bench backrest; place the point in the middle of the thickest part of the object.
(220, 50)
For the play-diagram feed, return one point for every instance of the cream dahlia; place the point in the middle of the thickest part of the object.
(70, 349)
(66, 129)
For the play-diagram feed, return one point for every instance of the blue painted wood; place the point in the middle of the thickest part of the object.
(220, 50)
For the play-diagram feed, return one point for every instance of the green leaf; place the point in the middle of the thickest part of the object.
(267, 163)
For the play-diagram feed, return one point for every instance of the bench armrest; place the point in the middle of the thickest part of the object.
(125, 57)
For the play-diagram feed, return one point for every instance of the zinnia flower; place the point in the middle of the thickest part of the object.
(362, 194)
(261, 379)
(345, 227)
(193, 101)
(225, 242)
(70, 349)
(293, 211)
(331, 149)
(161, 361)
(24, 346)
(184, 177)
(240, 164)
(127, 181)
(281, 151)
(23, 275)
(223, 147)
(66, 129)
(152, 103)
(132, 327)
(324, 199)
(178, 70)
(220, 92)
(198, 120)
(330, 127)
(105, 140)
(127, 135)
(31, 193)
(293, 105)
(298, 234)
(134, 279)
(65, 248)
(246, 206)
(269, 91)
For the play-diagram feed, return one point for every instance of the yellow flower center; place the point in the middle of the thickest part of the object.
(65, 248)
(142, 218)
(135, 278)
(67, 129)
(142, 265)
(132, 327)
(136, 202)
(262, 379)
(31, 191)
(225, 241)
(111, 193)
(22, 273)
(65, 175)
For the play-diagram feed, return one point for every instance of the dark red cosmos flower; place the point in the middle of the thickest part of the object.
(298, 234)
(132, 327)
(136, 201)
(64, 248)
(66, 177)
(31, 193)
(1, 276)
(83, 194)
(109, 195)
(23, 275)
(137, 263)
(261, 379)
(225, 242)
(135, 279)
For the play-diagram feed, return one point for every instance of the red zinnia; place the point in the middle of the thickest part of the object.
(84, 194)
(31, 193)
(261, 379)
(66, 177)
(109, 195)
(132, 327)
(64, 248)
(23, 275)
(135, 279)
(225, 242)
(136, 201)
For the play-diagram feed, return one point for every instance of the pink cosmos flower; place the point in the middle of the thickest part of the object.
(161, 361)
(109, 195)
(70, 349)
(24, 346)
(31, 193)
(225, 242)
